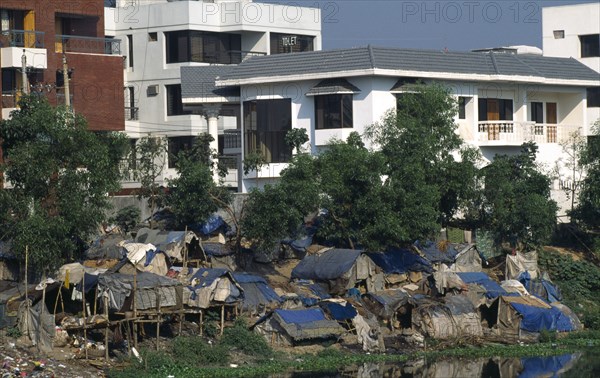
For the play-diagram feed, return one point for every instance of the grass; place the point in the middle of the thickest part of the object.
(186, 364)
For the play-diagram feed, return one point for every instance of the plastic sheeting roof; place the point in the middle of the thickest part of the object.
(493, 289)
(434, 254)
(400, 261)
(328, 265)
(256, 291)
(536, 319)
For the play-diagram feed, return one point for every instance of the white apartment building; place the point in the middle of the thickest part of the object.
(573, 31)
(159, 37)
(504, 98)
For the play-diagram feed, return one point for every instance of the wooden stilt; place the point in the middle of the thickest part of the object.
(105, 305)
(158, 316)
(201, 316)
(134, 325)
(84, 316)
(222, 319)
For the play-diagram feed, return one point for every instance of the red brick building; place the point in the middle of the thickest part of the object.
(48, 30)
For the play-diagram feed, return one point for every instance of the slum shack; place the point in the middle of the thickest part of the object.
(401, 267)
(259, 297)
(297, 327)
(340, 269)
(179, 246)
(392, 307)
(450, 318)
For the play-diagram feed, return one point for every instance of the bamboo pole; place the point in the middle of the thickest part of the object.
(105, 302)
(158, 316)
(27, 291)
(84, 316)
(201, 313)
(222, 319)
(134, 323)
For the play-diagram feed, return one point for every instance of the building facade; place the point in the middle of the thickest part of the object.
(504, 98)
(161, 37)
(45, 32)
(573, 31)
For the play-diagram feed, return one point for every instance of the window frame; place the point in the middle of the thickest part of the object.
(344, 101)
(174, 102)
(590, 45)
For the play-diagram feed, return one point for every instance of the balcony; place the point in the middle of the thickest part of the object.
(22, 38)
(14, 42)
(510, 133)
(87, 45)
(232, 142)
(132, 113)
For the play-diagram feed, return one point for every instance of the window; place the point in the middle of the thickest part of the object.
(590, 45)
(174, 104)
(333, 111)
(462, 107)
(131, 110)
(493, 109)
(265, 124)
(152, 37)
(286, 43)
(130, 50)
(537, 112)
(178, 145)
(559, 34)
(204, 47)
(593, 97)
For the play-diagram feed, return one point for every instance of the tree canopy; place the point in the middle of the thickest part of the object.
(587, 211)
(58, 175)
(517, 207)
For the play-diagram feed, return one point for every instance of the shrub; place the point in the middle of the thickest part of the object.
(127, 218)
(547, 336)
(194, 350)
(246, 341)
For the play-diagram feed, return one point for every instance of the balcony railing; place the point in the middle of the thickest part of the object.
(10, 99)
(232, 138)
(516, 133)
(88, 45)
(132, 113)
(225, 57)
(22, 38)
(127, 170)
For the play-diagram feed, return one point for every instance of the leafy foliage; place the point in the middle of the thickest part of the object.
(426, 182)
(127, 218)
(587, 211)
(248, 342)
(193, 196)
(295, 138)
(517, 205)
(60, 174)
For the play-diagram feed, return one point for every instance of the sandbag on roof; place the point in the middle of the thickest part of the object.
(398, 261)
(257, 293)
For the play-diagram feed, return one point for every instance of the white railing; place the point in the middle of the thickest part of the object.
(516, 133)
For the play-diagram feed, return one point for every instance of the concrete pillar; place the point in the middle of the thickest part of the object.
(211, 112)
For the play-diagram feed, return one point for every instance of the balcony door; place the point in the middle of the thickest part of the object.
(551, 120)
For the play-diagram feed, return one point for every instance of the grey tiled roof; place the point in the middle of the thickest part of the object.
(332, 86)
(365, 58)
(199, 82)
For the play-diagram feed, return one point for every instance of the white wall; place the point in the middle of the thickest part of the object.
(575, 20)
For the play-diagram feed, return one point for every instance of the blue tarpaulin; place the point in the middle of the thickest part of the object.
(339, 312)
(549, 366)
(256, 291)
(301, 316)
(206, 276)
(493, 290)
(536, 319)
(400, 261)
(303, 240)
(434, 254)
(328, 265)
(541, 288)
(212, 224)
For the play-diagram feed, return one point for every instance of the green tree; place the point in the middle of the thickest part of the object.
(254, 161)
(517, 207)
(587, 211)
(58, 174)
(430, 173)
(295, 138)
(194, 195)
(150, 152)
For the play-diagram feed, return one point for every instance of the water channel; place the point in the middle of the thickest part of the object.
(585, 364)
